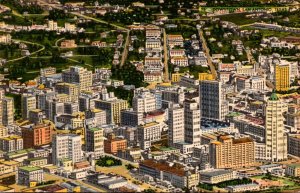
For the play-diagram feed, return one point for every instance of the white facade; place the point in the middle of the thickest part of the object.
(143, 101)
(276, 140)
(66, 146)
(192, 120)
(176, 125)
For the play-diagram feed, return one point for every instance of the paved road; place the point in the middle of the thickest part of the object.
(56, 42)
(166, 60)
(125, 51)
(27, 42)
(126, 47)
(207, 53)
(73, 60)
(83, 183)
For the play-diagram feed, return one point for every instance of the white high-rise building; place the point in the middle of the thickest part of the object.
(66, 146)
(143, 101)
(212, 100)
(176, 124)
(192, 123)
(276, 140)
(1, 97)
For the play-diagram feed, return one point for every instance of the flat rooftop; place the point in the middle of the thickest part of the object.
(175, 169)
(212, 124)
(215, 173)
(30, 168)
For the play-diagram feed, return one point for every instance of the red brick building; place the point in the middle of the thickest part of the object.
(36, 135)
(113, 144)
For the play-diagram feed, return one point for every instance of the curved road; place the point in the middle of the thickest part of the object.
(27, 42)
(126, 45)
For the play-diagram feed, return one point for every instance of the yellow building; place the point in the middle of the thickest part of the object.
(113, 109)
(229, 152)
(282, 77)
(176, 77)
(206, 76)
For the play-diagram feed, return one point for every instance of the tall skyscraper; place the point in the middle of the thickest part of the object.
(176, 124)
(78, 75)
(282, 77)
(212, 100)
(28, 103)
(7, 111)
(276, 140)
(1, 97)
(192, 122)
(66, 146)
(95, 141)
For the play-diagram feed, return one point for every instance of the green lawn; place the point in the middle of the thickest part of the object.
(286, 181)
(238, 18)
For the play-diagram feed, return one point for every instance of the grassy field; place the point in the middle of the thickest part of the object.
(238, 18)
(269, 33)
(288, 183)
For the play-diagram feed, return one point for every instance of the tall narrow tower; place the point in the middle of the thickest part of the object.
(276, 140)
(192, 122)
(176, 124)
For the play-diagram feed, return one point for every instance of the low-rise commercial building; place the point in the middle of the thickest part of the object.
(28, 174)
(217, 176)
(293, 170)
(243, 188)
(173, 173)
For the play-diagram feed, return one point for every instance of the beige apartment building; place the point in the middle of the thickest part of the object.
(78, 75)
(229, 152)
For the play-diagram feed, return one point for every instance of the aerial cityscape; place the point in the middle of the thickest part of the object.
(150, 96)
